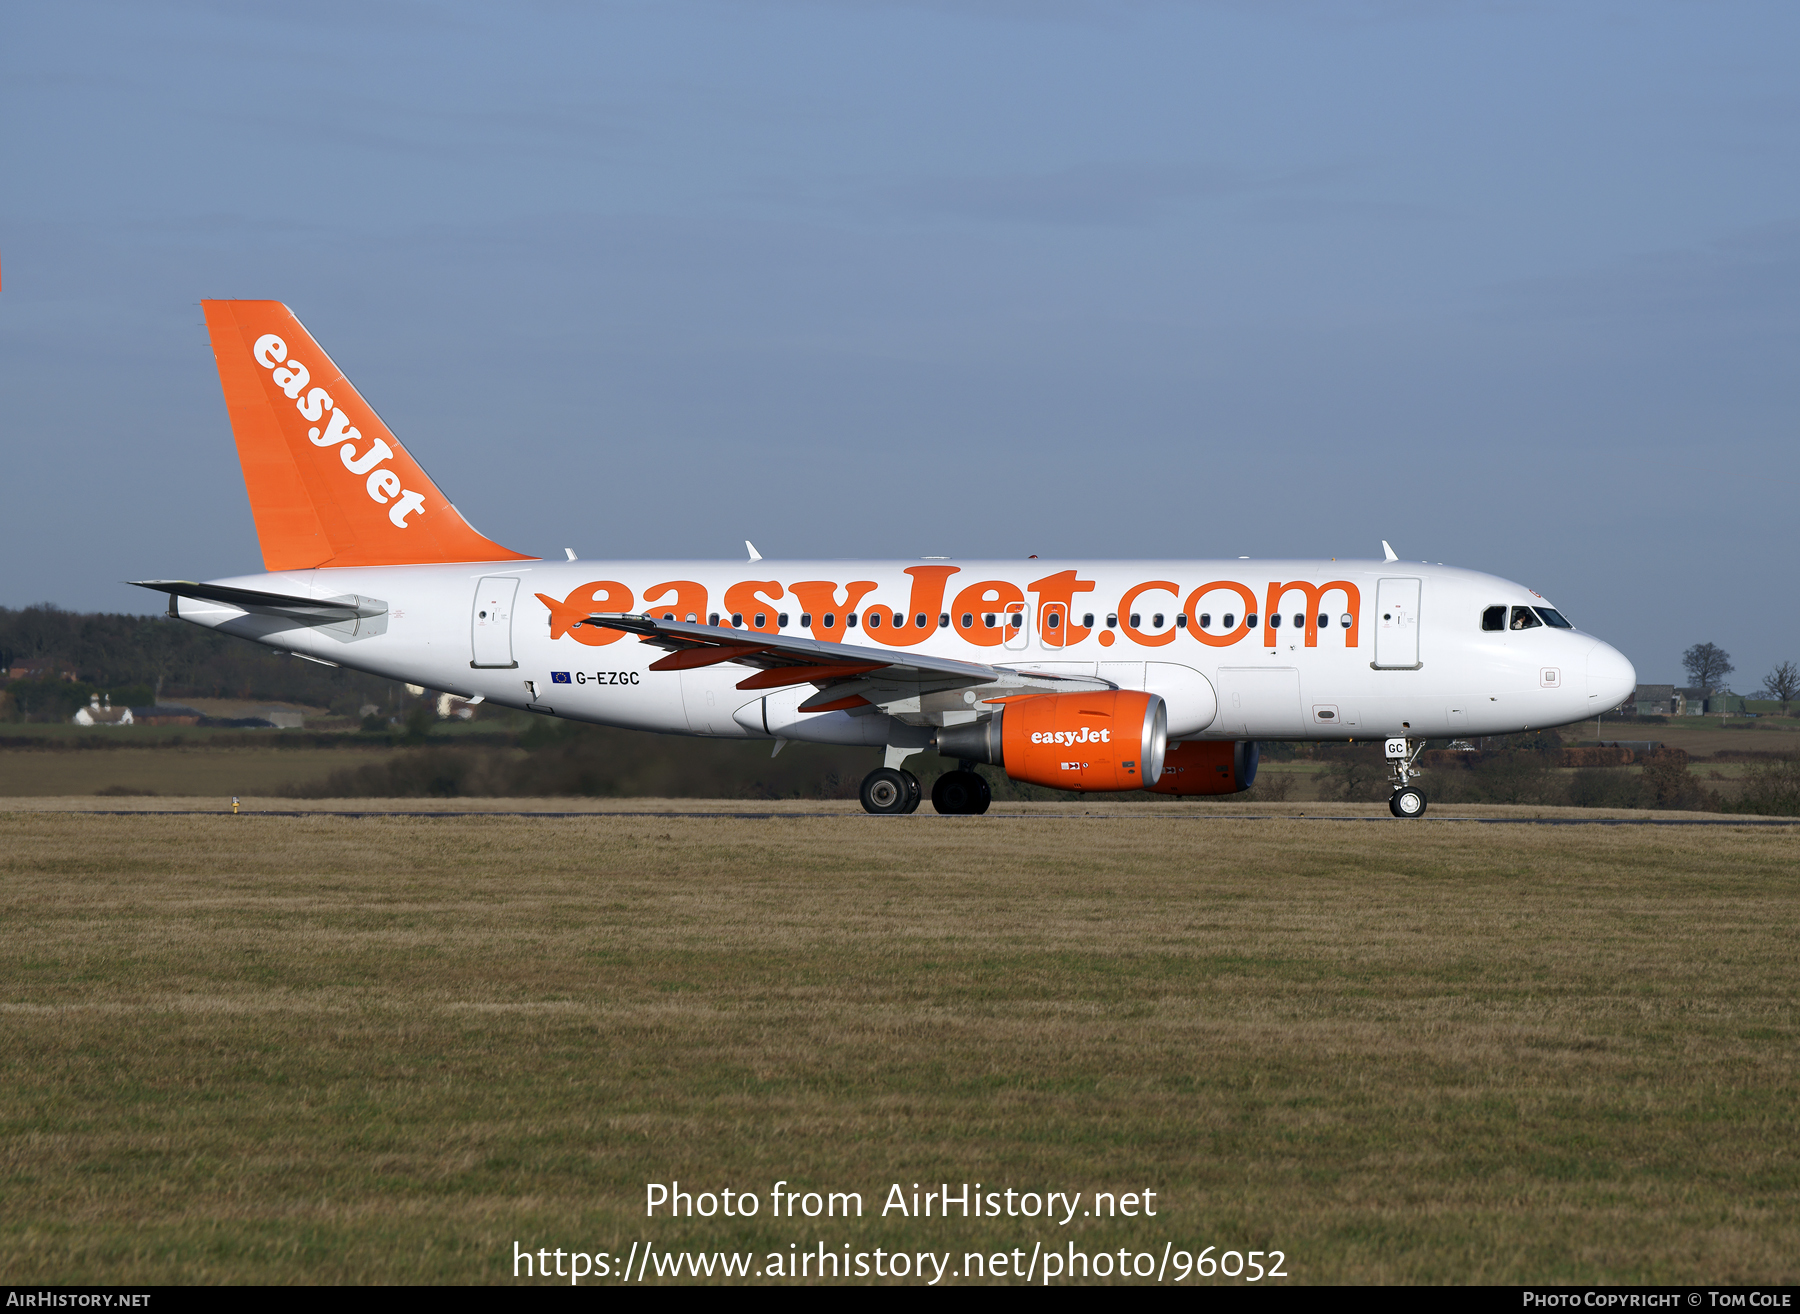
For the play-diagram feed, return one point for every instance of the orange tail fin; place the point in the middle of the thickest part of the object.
(329, 484)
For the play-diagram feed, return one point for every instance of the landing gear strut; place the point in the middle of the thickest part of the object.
(1408, 800)
(892, 791)
(961, 793)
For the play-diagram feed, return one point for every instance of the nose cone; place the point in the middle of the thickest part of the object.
(1611, 679)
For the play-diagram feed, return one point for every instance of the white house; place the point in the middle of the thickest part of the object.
(95, 714)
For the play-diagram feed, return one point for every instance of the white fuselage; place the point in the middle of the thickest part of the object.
(1401, 650)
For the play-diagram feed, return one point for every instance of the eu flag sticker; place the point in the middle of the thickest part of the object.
(559, 677)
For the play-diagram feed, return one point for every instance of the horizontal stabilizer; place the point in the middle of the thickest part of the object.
(309, 610)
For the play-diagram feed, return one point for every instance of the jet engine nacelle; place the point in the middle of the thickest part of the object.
(1209, 767)
(1109, 739)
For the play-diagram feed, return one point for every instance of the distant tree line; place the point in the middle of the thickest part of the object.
(142, 659)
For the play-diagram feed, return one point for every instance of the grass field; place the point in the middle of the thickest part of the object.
(272, 1049)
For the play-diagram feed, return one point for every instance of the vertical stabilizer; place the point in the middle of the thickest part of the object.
(329, 484)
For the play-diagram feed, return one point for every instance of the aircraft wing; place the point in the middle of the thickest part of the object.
(874, 675)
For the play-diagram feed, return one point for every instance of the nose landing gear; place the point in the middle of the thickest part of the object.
(1408, 800)
(1407, 803)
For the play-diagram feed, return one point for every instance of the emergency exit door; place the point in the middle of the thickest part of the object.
(490, 621)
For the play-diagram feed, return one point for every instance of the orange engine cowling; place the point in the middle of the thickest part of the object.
(1109, 739)
(1213, 767)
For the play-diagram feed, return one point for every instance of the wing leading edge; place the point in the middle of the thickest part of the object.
(848, 674)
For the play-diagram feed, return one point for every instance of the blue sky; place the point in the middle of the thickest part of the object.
(1515, 286)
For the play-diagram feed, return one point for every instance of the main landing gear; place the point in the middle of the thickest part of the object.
(891, 791)
(1408, 800)
(894, 791)
(961, 793)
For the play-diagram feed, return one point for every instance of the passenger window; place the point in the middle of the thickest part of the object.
(1522, 619)
(987, 619)
(1206, 620)
(899, 621)
(1087, 620)
(921, 620)
(712, 618)
(943, 620)
(1324, 621)
(1156, 621)
(849, 620)
(668, 615)
(690, 619)
(1137, 619)
(805, 620)
(1017, 620)
(1345, 620)
(762, 619)
(1274, 621)
(737, 620)
(874, 621)
(1231, 620)
(1299, 620)
(1494, 618)
(1554, 618)
(1112, 619)
(1053, 621)
(782, 620)
(1181, 621)
(830, 619)
(968, 620)
(1250, 620)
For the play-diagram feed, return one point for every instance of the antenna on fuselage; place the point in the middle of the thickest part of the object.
(751, 548)
(1388, 551)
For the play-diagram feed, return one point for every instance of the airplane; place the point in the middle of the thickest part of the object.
(1094, 676)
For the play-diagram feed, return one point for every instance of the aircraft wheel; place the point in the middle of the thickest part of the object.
(884, 790)
(961, 794)
(915, 792)
(1407, 803)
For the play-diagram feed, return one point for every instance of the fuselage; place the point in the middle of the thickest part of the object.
(1239, 649)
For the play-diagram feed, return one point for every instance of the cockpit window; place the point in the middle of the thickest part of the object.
(1523, 619)
(1494, 618)
(1554, 618)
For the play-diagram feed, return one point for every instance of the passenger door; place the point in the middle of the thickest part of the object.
(490, 621)
(1397, 625)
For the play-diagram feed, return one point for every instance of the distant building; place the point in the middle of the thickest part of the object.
(165, 714)
(41, 668)
(1696, 702)
(1655, 700)
(97, 714)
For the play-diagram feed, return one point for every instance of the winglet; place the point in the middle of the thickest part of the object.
(1388, 552)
